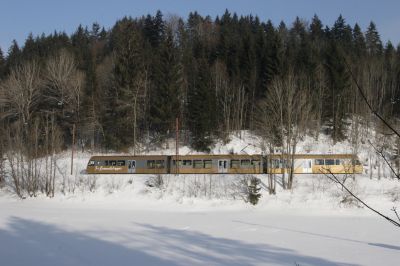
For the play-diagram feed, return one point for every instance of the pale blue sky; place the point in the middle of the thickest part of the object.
(20, 17)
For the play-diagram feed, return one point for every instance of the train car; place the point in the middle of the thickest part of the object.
(217, 164)
(187, 164)
(149, 164)
(224, 164)
(315, 164)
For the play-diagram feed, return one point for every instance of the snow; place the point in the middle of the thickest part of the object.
(201, 219)
(116, 232)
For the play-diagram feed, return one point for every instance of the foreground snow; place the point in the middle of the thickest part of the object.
(154, 232)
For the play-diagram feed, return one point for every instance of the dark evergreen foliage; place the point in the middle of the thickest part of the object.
(201, 106)
(2, 64)
(373, 40)
(253, 190)
(147, 71)
(165, 96)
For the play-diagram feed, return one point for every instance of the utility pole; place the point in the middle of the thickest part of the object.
(177, 146)
(73, 147)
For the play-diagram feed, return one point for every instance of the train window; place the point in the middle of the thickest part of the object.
(319, 162)
(91, 163)
(255, 163)
(245, 163)
(159, 164)
(275, 163)
(338, 162)
(207, 164)
(111, 163)
(184, 163)
(198, 164)
(151, 164)
(187, 162)
(235, 163)
(121, 163)
(283, 164)
(329, 162)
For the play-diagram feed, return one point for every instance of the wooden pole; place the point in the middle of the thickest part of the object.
(177, 146)
(73, 147)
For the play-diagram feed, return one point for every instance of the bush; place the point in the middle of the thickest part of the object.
(248, 188)
(156, 181)
(253, 190)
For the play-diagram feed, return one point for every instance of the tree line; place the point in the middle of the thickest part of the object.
(125, 86)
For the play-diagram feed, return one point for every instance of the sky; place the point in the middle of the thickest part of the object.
(18, 18)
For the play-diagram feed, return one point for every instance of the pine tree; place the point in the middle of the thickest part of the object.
(122, 104)
(2, 64)
(165, 97)
(154, 29)
(339, 82)
(359, 41)
(373, 40)
(253, 190)
(342, 33)
(201, 107)
(95, 32)
(14, 56)
(274, 53)
(316, 29)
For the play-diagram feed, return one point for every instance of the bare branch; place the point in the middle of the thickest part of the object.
(385, 159)
(336, 180)
(368, 103)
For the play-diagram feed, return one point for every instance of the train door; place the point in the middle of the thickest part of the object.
(131, 166)
(307, 166)
(222, 166)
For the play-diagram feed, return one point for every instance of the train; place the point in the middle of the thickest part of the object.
(224, 164)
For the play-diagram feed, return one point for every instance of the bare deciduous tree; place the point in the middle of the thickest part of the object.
(287, 111)
(64, 82)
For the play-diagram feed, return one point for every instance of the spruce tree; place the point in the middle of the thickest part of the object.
(201, 107)
(253, 190)
(165, 97)
(358, 41)
(341, 33)
(121, 106)
(316, 29)
(154, 29)
(339, 82)
(373, 40)
(2, 64)
(14, 56)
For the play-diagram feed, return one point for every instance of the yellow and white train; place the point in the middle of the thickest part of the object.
(225, 164)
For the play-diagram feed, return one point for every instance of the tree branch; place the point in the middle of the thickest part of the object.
(384, 158)
(366, 101)
(335, 179)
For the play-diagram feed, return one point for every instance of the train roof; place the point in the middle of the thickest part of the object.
(128, 157)
(220, 156)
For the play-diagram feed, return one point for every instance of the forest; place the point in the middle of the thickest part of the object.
(125, 86)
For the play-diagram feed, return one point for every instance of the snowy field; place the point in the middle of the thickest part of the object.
(141, 232)
(200, 219)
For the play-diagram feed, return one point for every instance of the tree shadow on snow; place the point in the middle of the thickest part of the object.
(26, 242)
(321, 235)
(385, 246)
(202, 249)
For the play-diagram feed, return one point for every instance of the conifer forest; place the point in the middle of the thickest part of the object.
(125, 86)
